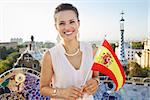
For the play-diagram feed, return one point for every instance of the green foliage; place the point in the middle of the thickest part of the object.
(137, 45)
(12, 57)
(8, 57)
(4, 65)
(10, 50)
(4, 52)
(21, 46)
(135, 70)
(146, 71)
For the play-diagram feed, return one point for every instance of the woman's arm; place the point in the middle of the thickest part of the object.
(46, 75)
(47, 72)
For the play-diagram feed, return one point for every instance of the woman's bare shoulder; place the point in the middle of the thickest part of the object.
(46, 58)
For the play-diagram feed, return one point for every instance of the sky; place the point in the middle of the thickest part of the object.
(23, 18)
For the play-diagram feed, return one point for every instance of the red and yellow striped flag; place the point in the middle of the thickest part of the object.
(106, 62)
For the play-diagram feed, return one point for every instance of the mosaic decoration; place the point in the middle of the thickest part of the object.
(28, 83)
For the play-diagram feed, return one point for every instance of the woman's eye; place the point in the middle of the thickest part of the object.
(61, 23)
(72, 22)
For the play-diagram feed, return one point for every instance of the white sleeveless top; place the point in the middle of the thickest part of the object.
(64, 73)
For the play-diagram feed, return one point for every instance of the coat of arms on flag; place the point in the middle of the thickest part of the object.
(105, 59)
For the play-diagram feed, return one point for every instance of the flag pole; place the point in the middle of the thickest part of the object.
(84, 82)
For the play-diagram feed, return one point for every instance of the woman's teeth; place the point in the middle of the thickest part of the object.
(68, 33)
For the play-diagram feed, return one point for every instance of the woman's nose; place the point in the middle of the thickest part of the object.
(68, 27)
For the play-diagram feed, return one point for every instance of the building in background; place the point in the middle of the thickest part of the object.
(144, 58)
(18, 40)
(8, 44)
(30, 58)
(131, 52)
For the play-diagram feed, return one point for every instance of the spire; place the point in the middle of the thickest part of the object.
(121, 53)
(122, 22)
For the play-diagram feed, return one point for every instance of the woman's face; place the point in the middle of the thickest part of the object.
(67, 24)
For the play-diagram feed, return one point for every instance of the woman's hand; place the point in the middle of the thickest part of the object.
(72, 93)
(90, 87)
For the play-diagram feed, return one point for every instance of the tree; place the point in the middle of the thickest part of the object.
(146, 72)
(12, 57)
(8, 63)
(137, 45)
(21, 46)
(10, 50)
(4, 65)
(3, 53)
(135, 69)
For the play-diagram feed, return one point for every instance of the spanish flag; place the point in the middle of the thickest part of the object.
(106, 62)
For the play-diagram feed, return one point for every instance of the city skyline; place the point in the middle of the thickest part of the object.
(23, 18)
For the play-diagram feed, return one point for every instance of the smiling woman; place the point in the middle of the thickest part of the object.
(67, 64)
